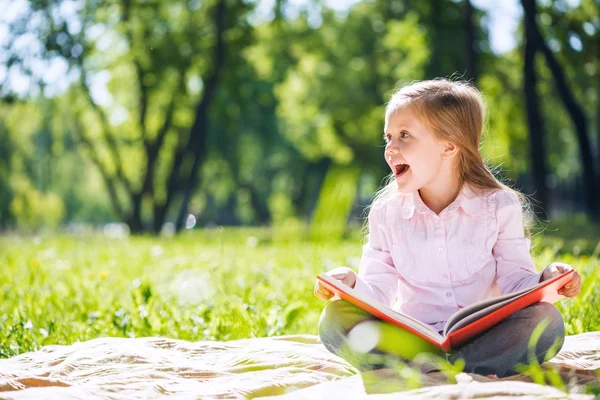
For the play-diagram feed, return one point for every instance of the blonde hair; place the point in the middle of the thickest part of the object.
(453, 111)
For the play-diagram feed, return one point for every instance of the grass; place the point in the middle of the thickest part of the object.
(212, 284)
(206, 285)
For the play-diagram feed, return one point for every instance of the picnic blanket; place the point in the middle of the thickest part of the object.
(283, 367)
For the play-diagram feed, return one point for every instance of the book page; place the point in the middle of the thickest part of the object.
(479, 313)
(482, 308)
(481, 305)
(400, 319)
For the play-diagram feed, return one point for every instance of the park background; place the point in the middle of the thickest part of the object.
(186, 168)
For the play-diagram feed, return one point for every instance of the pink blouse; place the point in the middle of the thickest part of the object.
(428, 266)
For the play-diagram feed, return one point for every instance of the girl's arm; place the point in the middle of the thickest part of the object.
(377, 275)
(515, 269)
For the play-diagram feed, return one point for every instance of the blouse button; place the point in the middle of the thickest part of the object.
(440, 249)
(448, 294)
(445, 277)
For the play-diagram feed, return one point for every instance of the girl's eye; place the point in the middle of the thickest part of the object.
(388, 138)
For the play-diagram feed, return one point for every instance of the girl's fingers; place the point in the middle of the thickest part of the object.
(322, 293)
(569, 292)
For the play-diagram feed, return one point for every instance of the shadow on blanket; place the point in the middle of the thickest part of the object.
(293, 366)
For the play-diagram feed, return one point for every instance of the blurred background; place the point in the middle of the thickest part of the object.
(159, 116)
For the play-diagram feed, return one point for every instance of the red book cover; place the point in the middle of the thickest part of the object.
(546, 291)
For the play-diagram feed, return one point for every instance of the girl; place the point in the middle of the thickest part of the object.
(444, 233)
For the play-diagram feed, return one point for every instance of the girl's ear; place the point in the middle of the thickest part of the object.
(450, 150)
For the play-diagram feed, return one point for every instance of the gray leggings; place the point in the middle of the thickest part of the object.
(497, 351)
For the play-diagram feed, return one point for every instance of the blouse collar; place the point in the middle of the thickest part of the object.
(468, 200)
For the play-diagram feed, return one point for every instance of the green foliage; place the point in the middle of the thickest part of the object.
(331, 103)
(34, 209)
(295, 96)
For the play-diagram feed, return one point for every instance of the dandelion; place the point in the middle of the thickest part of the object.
(35, 262)
(103, 275)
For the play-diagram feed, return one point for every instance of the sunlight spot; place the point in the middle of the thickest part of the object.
(47, 254)
(190, 222)
(116, 230)
(588, 27)
(143, 311)
(63, 264)
(119, 116)
(364, 336)
(575, 41)
(195, 84)
(190, 287)
(168, 229)
(252, 241)
(156, 251)
(93, 316)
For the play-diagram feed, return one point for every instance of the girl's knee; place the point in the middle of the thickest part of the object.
(337, 319)
(549, 313)
(332, 317)
(550, 318)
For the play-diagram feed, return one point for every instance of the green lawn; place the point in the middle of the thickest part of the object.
(215, 284)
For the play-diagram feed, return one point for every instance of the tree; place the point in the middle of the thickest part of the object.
(158, 50)
(573, 107)
(536, 129)
(472, 72)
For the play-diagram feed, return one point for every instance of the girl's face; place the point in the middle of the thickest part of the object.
(415, 155)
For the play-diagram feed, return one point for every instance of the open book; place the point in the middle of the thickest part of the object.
(463, 324)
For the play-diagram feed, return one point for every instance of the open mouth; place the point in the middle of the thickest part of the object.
(400, 169)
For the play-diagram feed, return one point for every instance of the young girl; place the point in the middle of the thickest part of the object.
(444, 233)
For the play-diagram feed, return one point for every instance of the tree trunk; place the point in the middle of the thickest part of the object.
(598, 104)
(198, 133)
(434, 67)
(472, 73)
(537, 149)
(261, 209)
(573, 108)
(307, 195)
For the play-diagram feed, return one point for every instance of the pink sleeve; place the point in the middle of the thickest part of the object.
(515, 269)
(377, 275)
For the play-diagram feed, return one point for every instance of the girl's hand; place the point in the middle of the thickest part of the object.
(343, 274)
(571, 289)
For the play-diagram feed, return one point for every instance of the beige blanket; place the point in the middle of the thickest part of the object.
(286, 367)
